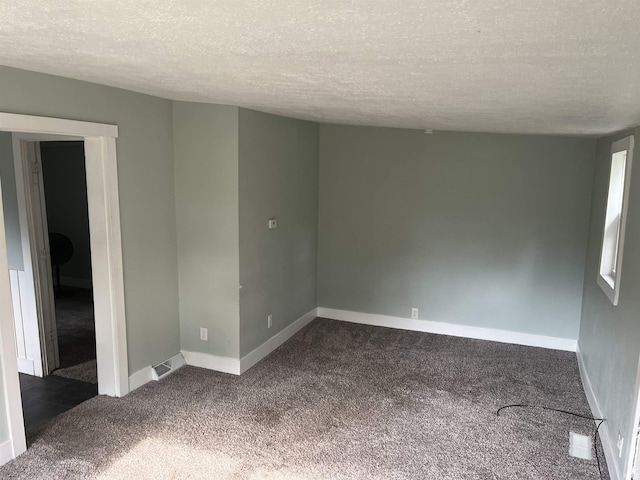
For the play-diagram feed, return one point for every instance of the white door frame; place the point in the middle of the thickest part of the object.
(37, 300)
(17, 442)
(106, 261)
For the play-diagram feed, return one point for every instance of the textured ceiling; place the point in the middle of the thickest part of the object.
(530, 66)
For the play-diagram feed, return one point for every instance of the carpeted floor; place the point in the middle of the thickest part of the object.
(338, 401)
(76, 335)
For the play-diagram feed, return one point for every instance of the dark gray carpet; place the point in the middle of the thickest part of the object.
(76, 335)
(338, 401)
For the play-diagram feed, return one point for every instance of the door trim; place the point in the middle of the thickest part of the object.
(17, 441)
(42, 337)
(106, 261)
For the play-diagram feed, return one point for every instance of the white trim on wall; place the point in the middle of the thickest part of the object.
(212, 362)
(605, 435)
(256, 355)
(56, 126)
(9, 380)
(238, 367)
(147, 374)
(106, 265)
(106, 260)
(6, 452)
(454, 330)
(140, 378)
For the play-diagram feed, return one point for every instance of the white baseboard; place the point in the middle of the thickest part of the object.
(139, 378)
(454, 330)
(253, 357)
(6, 452)
(146, 374)
(236, 366)
(605, 434)
(212, 362)
(174, 364)
(75, 282)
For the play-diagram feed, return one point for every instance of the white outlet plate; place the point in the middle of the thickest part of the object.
(204, 334)
(620, 443)
(269, 321)
(414, 313)
(273, 223)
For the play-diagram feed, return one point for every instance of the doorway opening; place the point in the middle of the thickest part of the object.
(67, 222)
(38, 285)
(58, 171)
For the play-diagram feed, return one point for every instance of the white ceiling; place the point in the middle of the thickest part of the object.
(530, 66)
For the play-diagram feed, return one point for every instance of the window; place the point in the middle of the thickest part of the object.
(615, 218)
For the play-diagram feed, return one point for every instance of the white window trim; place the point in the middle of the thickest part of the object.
(610, 281)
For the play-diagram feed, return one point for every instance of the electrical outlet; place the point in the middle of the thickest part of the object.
(273, 223)
(269, 321)
(620, 443)
(204, 334)
(414, 313)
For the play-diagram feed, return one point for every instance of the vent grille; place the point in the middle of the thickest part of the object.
(168, 367)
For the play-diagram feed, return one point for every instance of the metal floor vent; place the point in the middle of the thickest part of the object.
(168, 367)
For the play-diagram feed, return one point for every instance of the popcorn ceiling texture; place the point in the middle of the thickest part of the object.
(568, 67)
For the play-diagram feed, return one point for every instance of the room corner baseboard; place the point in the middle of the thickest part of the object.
(455, 330)
(6, 452)
(212, 362)
(139, 378)
(236, 366)
(256, 355)
(605, 434)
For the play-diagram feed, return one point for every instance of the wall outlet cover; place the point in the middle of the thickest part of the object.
(414, 313)
(204, 334)
(620, 443)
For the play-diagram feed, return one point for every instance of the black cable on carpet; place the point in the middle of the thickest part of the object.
(595, 433)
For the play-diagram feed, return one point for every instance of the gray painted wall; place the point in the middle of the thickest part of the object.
(10, 203)
(147, 207)
(65, 187)
(483, 230)
(278, 178)
(206, 185)
(610, 336)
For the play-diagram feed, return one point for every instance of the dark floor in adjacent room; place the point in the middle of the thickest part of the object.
(337, 401)
(45, 398)
(76, 334)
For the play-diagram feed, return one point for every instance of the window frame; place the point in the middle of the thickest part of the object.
(609, 274)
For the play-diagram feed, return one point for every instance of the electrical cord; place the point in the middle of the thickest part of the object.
(595, 433)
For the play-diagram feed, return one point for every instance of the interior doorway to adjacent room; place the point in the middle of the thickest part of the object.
(33, 338)
(57, 172)
(67, 225)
